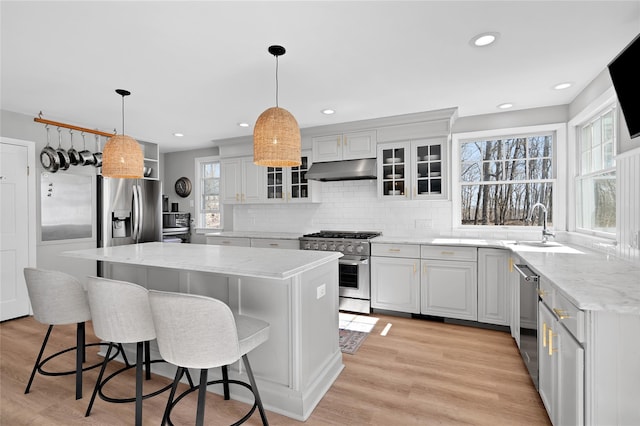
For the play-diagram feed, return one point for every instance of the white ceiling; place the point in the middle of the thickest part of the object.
(201, 67)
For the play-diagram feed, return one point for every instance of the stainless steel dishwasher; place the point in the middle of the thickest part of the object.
(529, 320)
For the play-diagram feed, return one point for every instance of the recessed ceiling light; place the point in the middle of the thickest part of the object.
(243, 124)
(561, 86)
(328, 111)
(178, 135)
(505, 106)
(484, 39)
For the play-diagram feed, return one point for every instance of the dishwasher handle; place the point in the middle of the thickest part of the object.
(526, 273)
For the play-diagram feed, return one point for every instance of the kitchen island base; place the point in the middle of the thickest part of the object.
(301, 359)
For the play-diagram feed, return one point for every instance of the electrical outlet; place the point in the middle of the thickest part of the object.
(321, 291)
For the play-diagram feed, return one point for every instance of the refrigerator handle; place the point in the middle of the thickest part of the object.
(136, 213)
(140, 211)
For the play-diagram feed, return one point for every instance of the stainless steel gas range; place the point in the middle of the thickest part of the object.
(354, 266)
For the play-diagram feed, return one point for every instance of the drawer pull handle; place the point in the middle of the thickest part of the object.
(561, 313)
(541, 292)
(544, 334)
(450, 253)
(274, 244)
(226, 242)
(394, 250)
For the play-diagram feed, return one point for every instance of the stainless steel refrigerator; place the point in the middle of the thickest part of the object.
(129, 211)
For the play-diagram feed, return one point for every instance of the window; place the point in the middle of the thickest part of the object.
(596, 175)
(501, 178)
(208, 212)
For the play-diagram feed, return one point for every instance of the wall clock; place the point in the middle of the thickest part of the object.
(183, 187)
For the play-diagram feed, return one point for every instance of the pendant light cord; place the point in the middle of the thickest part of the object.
(276, 80)
(123, 114)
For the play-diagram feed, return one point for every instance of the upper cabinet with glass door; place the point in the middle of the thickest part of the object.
(428, 167)
(394, 170)
(412, 170)
(289, 184)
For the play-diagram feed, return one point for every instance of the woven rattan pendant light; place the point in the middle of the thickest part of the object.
(276, 135)
(122, 156)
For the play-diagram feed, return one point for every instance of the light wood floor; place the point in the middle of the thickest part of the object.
(421, 373)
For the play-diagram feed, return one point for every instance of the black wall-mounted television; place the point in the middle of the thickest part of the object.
(625, 74)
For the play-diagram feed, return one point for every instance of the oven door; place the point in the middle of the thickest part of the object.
(354, 277)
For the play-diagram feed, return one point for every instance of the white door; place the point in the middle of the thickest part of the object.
(14, 230)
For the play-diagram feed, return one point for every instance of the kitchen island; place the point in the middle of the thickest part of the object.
(295, 291)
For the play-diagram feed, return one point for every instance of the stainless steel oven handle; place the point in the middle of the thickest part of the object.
(349, 262)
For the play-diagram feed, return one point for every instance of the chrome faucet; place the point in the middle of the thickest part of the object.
(545, 232)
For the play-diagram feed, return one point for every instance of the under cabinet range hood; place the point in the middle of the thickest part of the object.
(343, 170)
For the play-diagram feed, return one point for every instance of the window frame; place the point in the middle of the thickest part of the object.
(199, 161)
(597, 107)
(559, 182)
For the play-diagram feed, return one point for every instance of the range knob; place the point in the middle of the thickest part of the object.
(315, 246)
(340, 247)
(359, 249)
(349, 248)
(307, 245)
(332, 246)
(323, 246)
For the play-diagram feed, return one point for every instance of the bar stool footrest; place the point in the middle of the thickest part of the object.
(217, 382)
(132, 399)
(66, 373)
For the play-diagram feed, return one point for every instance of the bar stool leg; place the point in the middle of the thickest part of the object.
(139, 349)
(80, 357)
(172, 394)
(35, 366)
(225, 382)
(99, 380)
(147, 360)
(202, 393)
(254, 389)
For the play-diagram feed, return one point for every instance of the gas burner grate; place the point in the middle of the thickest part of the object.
(355, 235)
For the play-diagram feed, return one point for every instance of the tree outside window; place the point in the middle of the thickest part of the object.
(502, 178)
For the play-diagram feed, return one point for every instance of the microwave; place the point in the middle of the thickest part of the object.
(175, 220)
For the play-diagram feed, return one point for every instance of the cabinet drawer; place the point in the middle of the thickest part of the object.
(569, 316)
(229, 241)
(449, 253)
(275, 243)
(395, 250)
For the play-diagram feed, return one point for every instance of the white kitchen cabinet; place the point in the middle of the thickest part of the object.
(218, 240)
(449, 282)
(289, 184)
(412, 169)
(275, 243)
(561, 361)
(242, 181)
(428, 168)
(347, 146)
(514, 290)
(395, 277)
(493, 286)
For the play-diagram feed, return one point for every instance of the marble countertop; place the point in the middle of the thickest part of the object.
(238, 261)
(590, 279)
(256, 234)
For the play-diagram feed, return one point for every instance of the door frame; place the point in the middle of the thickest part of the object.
(32, 206)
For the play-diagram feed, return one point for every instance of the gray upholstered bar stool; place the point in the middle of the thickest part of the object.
(201, 332)
(120, 314)
(56, 299)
